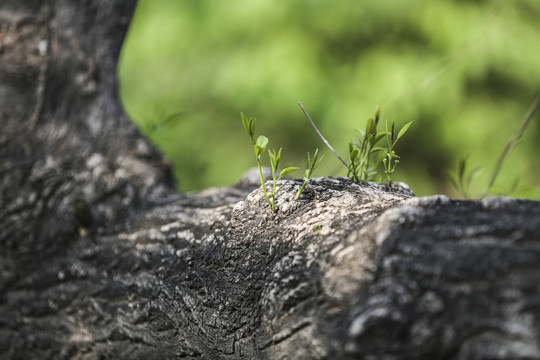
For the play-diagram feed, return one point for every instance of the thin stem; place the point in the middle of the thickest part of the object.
(354, 171)
(321, 136)
(274, 195)
(263, 185)
(302, 188)
(530, 115)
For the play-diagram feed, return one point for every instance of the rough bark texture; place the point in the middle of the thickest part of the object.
(71, 159)
(100, 258)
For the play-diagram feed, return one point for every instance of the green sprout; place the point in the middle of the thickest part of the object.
(274, 164)
(364, 154)
(354, 166)
(463, 178)
(514, 140)
(259, 146)
(311, 166)
(391, 159)
(361, 153)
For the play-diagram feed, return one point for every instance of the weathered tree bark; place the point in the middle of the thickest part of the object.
(100, 258)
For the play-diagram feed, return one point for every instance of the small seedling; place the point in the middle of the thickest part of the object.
(364, 155)
(514, 140)
(274, 165)
(311, 166)
(259, 146)
(391, 159)
(462, 179)
(354, 163)
(361, 153)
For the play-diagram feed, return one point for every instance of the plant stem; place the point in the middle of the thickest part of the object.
(321, 136)
(263, 185)
(274, 196)
(301, 189)
(530, 115)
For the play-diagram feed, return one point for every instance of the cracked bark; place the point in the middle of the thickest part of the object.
(101, 258)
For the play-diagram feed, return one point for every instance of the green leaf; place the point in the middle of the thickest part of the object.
(313, 163)
(286, 171)
(353, 152)
(316, 163)
(388, 135)
(376, 149)
(260, 145)
(377, 114)
(403, 130)
(245, 122)
(275, 157)
(249, 125)
(262, 141)
(379, 136)
(273, 165)
(462, 167)
(272, 158)
(274, 162)
(371, 172)
(370, 127)
(315, 154)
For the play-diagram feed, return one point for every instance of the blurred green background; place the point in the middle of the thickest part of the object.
(465, 71)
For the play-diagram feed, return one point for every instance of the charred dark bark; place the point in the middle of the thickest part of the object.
(71, 160)
(100, 258)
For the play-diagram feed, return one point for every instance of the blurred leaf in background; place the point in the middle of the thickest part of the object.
(465, 71)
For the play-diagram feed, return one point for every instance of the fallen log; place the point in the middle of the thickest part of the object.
(101, 258)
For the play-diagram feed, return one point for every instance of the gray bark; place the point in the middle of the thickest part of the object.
(100, 258)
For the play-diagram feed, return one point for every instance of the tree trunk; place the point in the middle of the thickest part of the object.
(100, 258)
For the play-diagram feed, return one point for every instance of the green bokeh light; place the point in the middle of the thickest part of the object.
(465, 71)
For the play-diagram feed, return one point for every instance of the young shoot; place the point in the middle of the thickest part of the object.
(464, 176)
(364, 154)
(311, 166)
(259, 146)
(391, 159)
(361, 153)
(274, 165)
(354, 163)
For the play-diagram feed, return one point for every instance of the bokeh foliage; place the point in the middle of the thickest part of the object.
(466, 72)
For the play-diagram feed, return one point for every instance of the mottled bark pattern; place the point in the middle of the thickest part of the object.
(101, 259)
(70, 159)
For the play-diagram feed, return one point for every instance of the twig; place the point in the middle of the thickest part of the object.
(321, 136)
(530, 115)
